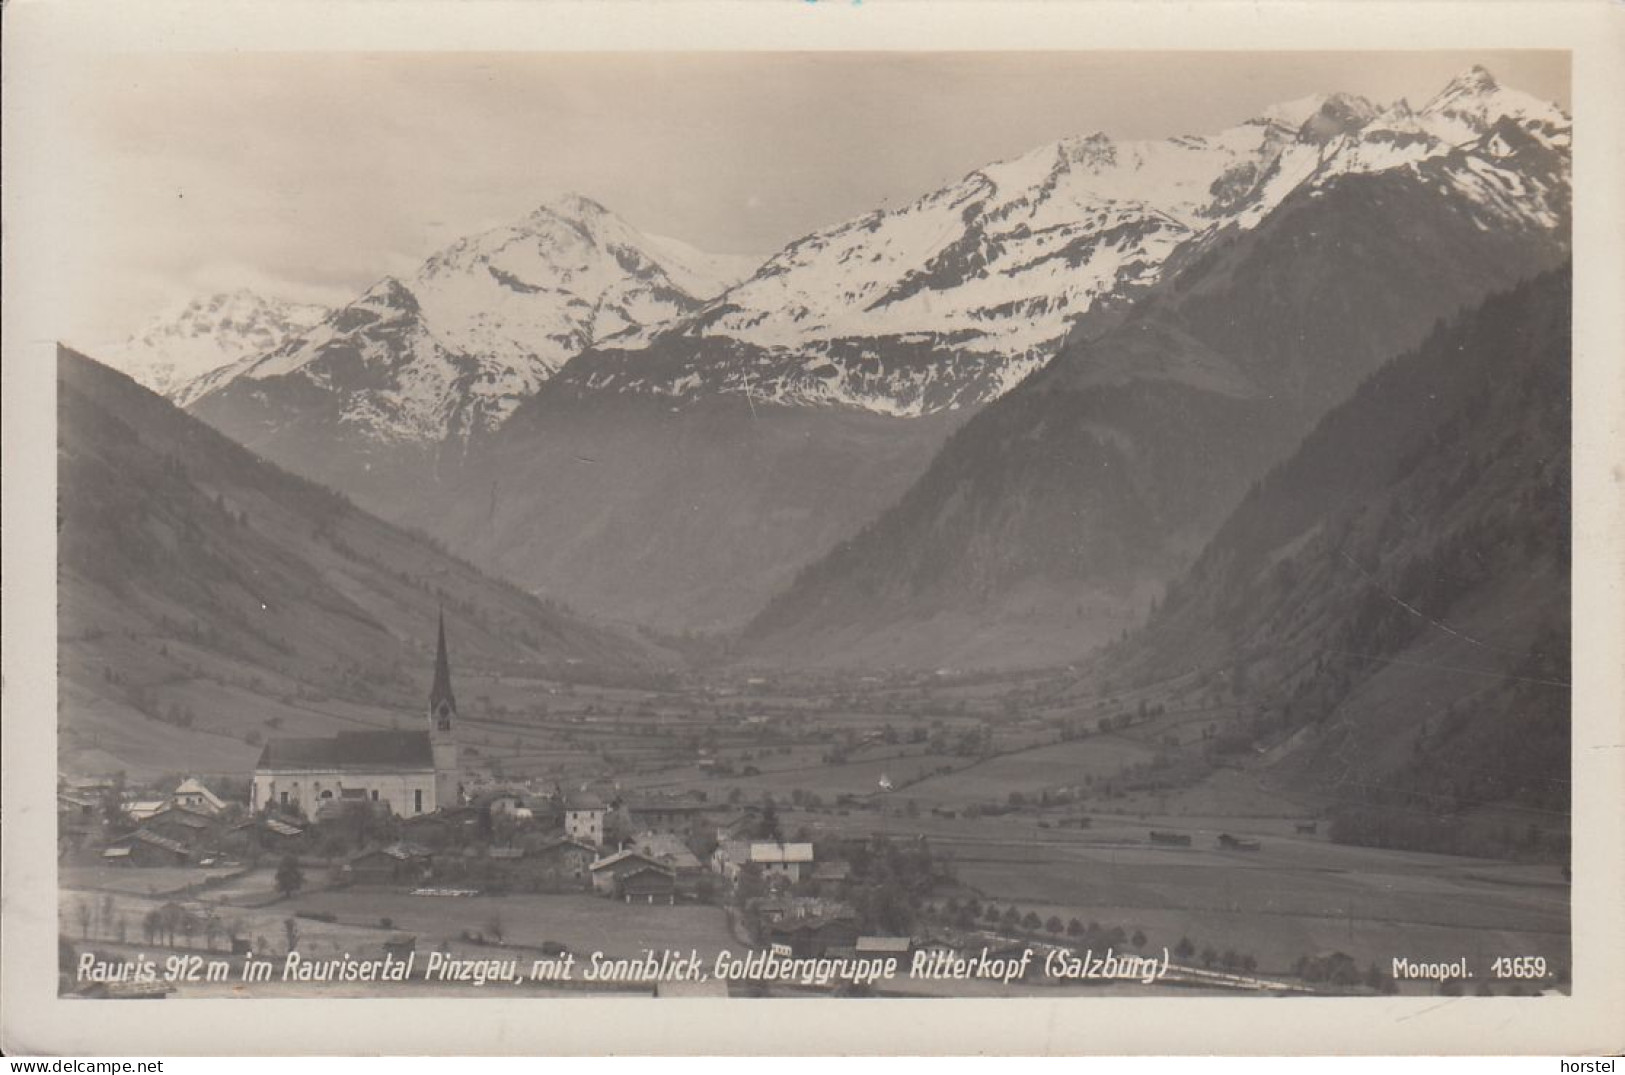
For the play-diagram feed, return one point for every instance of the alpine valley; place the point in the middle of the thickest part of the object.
(1156, 547)
(979, 429)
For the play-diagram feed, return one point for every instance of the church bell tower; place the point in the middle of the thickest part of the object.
(443, 728)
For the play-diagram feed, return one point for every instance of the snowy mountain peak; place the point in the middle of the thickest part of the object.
(1092, 152)
(453, 348)
(206, 333)
(1338, 114)
(1474, 81)
(1472, 102)
(390, 293)
(570, 203)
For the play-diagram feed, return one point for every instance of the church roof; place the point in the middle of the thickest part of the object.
(351, 750)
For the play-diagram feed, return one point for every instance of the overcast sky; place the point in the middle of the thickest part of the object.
(310, 176)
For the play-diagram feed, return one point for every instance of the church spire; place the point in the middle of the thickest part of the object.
(441, 702)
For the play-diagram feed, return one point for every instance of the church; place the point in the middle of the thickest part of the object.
(409, 772)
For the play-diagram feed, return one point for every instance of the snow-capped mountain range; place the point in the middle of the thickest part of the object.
(452, 349)
(939, 305)
(180, 345)
(951, 300)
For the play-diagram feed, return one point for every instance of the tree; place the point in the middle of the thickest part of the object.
(289, 877)
(83, 913)
(1074, 928)
(1138, 940)
(1055, 925)
(290, 930)
(1031, 921)
(1184, 949)
(494, 928)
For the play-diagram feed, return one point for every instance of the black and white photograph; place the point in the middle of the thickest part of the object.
(1059, 524)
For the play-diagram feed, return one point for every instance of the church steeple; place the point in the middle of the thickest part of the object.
(448, 789)
(442, 705)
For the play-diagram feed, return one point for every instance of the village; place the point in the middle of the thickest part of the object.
(390, 843)
(795, 897)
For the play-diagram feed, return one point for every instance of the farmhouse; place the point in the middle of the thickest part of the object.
(671, 817)
(647, 884)
(790, 861)
(411, 773)
(278, 835)
(811, 938)
(386, 865)
(141, 809)
(669, 850)
(563, 858)
(194, 796)
(782, 860)
(607, 871)
(146, 848)
(787, 908)
(181, 824)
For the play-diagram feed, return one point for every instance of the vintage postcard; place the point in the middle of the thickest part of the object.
(1102, 531)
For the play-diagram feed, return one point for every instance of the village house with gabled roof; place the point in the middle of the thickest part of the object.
(409, 772)
(195, 796)
(675, 817)
(790, 861)
(385, 865)
(607, 871)
(670, 850)
(144, 847)
(647, 884)
(142, 809)
(183, 824)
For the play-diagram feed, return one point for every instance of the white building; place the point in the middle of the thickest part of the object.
(192, 793)
(410, 772)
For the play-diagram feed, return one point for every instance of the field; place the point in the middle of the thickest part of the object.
(1029, 772)
(1299, 895)
(145, 881)
(583, 923)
